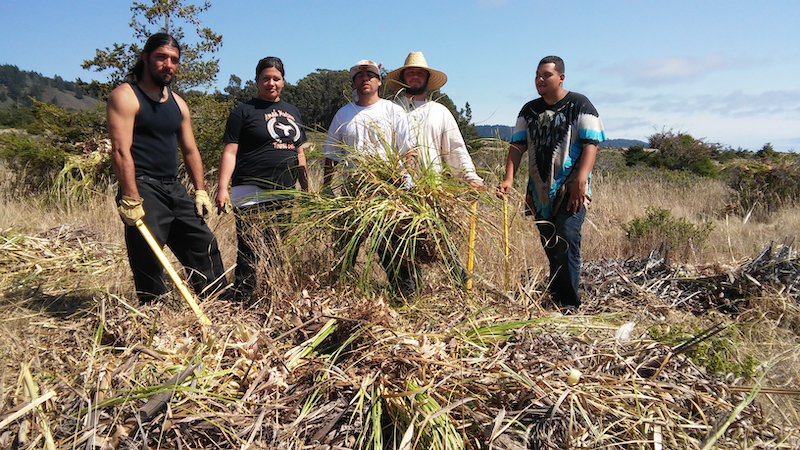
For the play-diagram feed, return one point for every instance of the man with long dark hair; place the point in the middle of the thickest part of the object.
(147, 123)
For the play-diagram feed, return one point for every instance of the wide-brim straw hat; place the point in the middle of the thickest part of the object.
(436, 78)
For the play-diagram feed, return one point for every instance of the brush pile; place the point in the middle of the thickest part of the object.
(775, 271)
(52, 258)
(332, 369)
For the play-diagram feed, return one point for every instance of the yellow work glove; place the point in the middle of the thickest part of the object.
(202, 204)
(130, 209)
(227, 208)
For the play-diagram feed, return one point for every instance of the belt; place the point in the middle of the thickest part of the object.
(164, 180)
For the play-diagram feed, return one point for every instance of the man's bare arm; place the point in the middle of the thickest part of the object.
(121, 113)
(579, 188)
(188, 146)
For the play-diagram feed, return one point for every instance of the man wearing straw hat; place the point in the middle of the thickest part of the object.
(147, 123)
(439, 140)
(560, 130)
(373, 127)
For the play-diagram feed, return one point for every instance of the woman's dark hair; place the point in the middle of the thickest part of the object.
(155, 41)
(266, 63)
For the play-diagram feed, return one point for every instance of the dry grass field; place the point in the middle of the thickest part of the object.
(691, 347)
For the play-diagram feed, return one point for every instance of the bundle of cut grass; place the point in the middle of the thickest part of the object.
(84, 174)
(388, 222)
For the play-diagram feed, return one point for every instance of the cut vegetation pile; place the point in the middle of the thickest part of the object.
(331, 369)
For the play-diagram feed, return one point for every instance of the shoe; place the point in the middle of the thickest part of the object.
(241, 294)
(407, 287)
(568, 310)
(228, 293)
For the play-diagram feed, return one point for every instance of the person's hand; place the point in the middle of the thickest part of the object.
(578, 195)
(130, 209)
(223, 201)
(503, 189)
(476, 184)
(225, 208)
(202, 204)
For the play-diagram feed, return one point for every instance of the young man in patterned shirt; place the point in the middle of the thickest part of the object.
(560, 130)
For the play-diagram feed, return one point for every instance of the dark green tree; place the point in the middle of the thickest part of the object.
(636, 154)
(681, 151)
(234, 92)
(767, 152)
(319, 95)
(197, 69)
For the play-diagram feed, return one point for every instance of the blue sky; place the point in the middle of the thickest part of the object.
(726, 71)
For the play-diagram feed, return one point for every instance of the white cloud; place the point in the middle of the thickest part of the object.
(660, 71)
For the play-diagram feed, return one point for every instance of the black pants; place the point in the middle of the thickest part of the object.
(259, 222)
(172, 220)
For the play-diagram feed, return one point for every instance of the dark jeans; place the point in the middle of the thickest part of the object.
(253, 224)
(172, 220)
(561, 239)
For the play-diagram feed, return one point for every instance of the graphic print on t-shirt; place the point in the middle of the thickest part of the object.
(282, 128)
(547, 133)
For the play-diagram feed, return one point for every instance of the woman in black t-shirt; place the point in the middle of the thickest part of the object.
(263, 158)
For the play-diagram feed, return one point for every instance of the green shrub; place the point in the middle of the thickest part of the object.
(208, 122)
(64, 128)
(636, 154)
(34, 163)
(761, 189)
(48, 157)
(704, 167)
(658, 226)
(679, 151)
(767, 152)
(719, 353)
(15, 117)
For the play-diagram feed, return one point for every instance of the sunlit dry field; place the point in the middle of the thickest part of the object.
(317, 362)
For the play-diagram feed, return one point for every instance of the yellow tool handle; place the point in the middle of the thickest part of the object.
(201, 316)
(505, 235)
(471, 243)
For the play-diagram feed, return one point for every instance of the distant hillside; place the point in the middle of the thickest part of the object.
(622, 143)
(504, 132)
(495, 131)
(17, 87)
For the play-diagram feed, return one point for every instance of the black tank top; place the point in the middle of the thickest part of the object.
(155, 136)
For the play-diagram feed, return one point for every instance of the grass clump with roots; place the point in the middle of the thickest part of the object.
(375, 217)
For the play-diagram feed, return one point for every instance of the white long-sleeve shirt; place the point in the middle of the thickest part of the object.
(439, 140)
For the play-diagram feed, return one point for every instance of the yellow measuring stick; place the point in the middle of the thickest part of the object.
(505, 234)
(471, 250)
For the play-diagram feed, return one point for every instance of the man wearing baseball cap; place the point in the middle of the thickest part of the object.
(370, 126)
(438, 137)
